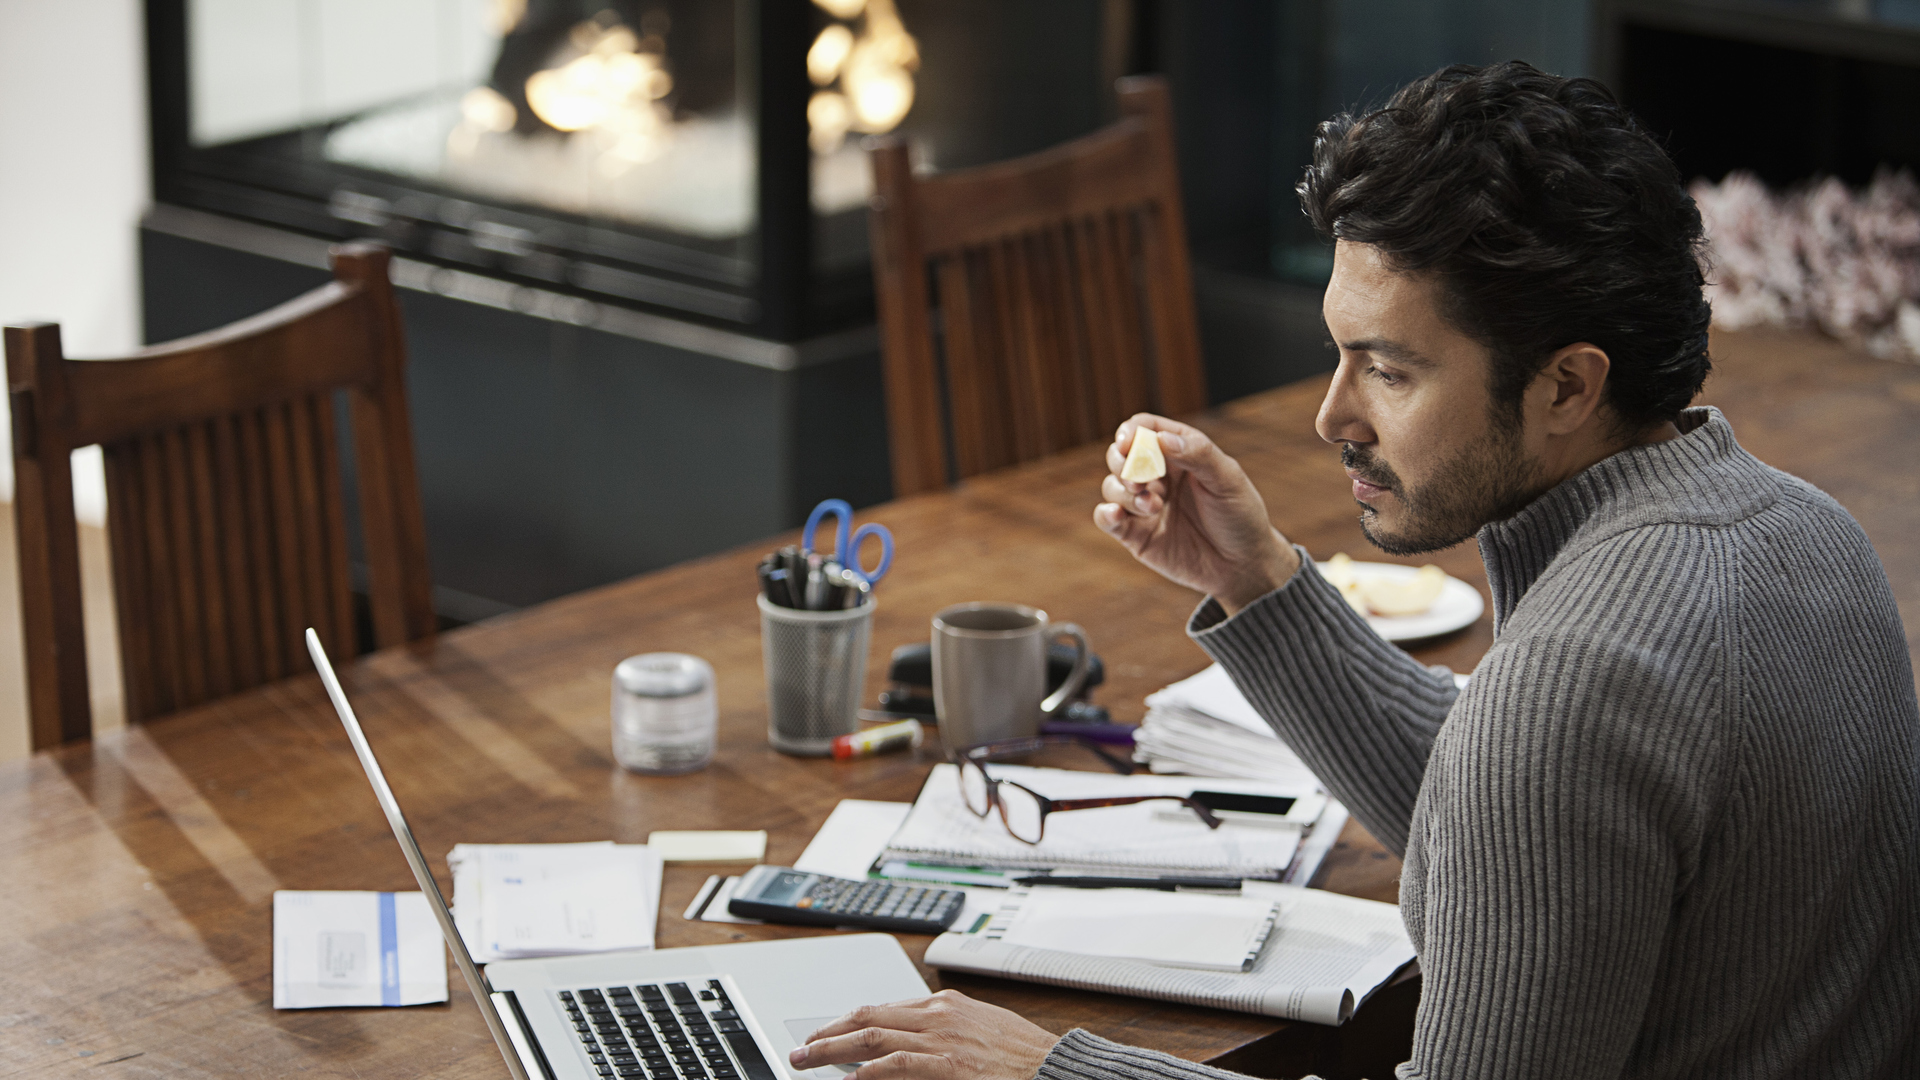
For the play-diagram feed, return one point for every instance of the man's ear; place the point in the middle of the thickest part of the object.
(1576, 376)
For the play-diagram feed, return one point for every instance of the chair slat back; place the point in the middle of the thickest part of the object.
(1032, 305)
(229, 539)
(226, 520)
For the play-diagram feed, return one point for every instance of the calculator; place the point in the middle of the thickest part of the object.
(785, 895)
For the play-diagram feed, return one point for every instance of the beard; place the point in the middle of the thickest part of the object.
(1488, 481)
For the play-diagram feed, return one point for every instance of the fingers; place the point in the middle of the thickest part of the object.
(907, 1015)
(864, 1044)
(902, 1065)
(1134, 498)
(1175, 437)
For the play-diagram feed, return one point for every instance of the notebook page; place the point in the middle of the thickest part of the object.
(1187, 929)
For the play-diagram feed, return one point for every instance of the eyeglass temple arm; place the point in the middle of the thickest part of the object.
(1013, 747)
(1195, 805)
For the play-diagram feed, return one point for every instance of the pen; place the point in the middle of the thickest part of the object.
(1164, 884)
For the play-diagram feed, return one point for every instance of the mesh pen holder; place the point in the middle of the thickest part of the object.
(816, 668)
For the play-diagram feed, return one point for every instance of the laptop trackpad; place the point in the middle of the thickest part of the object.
(800, 1029)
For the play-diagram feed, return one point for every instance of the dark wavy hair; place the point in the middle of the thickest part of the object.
(1547, 215)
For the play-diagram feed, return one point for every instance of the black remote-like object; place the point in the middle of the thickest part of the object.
(784, 895)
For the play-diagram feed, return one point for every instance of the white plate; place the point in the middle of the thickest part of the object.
(1458, 605)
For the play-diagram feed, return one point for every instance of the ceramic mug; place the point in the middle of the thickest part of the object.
(990, 672)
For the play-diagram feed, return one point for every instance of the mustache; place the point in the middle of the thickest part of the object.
(1372, 470)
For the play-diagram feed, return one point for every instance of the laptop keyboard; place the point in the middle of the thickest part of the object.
(664, 1031)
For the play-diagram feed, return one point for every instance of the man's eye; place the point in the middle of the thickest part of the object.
(1387, 377)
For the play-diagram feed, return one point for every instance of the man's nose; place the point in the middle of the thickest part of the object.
(1342, 417)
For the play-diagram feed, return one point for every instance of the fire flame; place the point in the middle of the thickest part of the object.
(613, 84)
(873, 71)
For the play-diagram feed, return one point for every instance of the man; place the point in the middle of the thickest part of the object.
(1672, 825)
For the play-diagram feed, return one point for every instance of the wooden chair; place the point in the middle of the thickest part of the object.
(1045, 299)
(225, 517)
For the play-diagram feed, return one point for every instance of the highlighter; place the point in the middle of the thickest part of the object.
(907, 734)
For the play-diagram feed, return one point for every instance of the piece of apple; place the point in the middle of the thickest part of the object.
(1407, 596)
(1339, 573)
(1145, 461)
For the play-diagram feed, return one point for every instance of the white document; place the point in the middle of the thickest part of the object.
(710, 903)
(1326, 955)
(1220, 932)
(709, 845)
(940, 828)
(356, 948)
(852, 838)
(520, 900)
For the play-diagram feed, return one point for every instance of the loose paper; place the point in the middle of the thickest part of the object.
(355, 948)
(852, 837)
(709, 846)
(710, 903)
(519, 900)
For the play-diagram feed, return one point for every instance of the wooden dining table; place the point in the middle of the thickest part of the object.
(137, 870)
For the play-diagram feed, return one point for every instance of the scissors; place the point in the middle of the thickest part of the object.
(846, 548)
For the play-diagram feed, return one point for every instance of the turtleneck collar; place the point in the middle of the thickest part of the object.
(1702, 477)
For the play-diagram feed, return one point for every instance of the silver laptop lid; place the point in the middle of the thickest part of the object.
(477, 983)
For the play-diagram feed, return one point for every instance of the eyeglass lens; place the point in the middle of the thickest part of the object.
(975, 788)
(1022, 813)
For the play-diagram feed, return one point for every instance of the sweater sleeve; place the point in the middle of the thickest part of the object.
(1082, 1055)
(1357, 709)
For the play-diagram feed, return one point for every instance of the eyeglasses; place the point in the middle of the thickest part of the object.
(1023, 810)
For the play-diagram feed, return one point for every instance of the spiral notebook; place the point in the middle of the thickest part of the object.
(1209, 931)
(1138, 837)
(1325, 955)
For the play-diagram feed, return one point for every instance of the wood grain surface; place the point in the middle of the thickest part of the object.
(136, 871)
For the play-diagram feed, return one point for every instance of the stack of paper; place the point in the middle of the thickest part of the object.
(1204, 726)
(516, 900)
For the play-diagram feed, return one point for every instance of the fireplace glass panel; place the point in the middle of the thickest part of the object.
(617, 149)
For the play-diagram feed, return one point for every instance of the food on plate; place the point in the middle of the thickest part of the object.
(1407, 596)
(1339, 574)
(1382, 595)
(1145, 461)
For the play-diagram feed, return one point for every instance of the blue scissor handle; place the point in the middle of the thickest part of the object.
(852, 556)
(839, 509)
(846, 547)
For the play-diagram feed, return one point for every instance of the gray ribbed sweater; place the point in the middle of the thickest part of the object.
(1672, 826)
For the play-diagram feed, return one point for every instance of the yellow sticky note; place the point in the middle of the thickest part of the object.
(707, 845)
(1145, 461)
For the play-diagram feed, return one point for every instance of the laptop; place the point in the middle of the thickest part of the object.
(720, 1012)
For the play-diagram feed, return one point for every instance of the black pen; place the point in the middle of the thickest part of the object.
(1164, 884)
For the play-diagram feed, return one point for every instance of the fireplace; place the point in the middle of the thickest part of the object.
(694, 158)
(630, 235)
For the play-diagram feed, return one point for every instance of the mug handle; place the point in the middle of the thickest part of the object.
(1082, 661)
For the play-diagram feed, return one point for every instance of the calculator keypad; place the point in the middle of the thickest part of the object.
(881, 900)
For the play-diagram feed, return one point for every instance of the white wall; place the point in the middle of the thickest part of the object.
(73, 129)
(73, 182)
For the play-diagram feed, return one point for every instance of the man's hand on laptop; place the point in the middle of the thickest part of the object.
(948, 1036)
(1202, 525)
